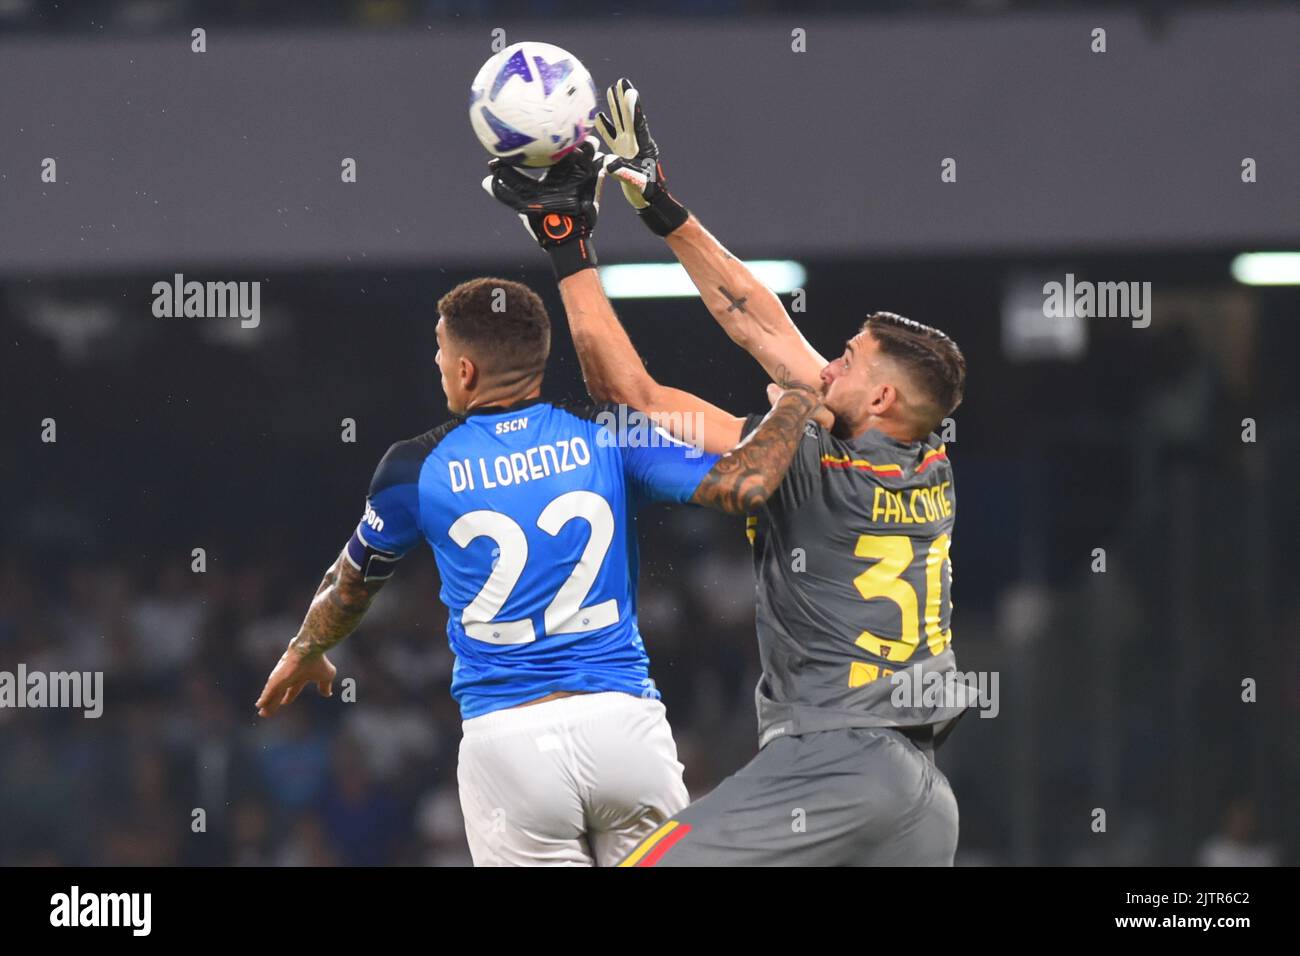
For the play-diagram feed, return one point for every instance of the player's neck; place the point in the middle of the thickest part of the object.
(886, 426)
(505, 398)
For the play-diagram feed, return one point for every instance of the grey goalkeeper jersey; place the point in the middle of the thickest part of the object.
(853, 586)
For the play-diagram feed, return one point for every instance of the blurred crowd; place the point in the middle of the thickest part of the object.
(180, 770)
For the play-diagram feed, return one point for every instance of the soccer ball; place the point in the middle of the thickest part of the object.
(532, 103)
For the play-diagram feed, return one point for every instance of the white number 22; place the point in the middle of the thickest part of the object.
(565, 614)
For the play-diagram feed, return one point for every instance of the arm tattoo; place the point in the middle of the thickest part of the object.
(340, 602)
(745, 478)
(738, 304)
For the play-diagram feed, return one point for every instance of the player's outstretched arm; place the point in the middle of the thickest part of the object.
(743, 479)
(340, 602)
(748, 311)
(614, 371)
(559, 211)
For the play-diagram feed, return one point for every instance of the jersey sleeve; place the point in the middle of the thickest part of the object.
(390, 526)
(658, 466)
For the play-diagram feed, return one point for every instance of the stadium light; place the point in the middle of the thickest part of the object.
(1267, 268)
(663, 280)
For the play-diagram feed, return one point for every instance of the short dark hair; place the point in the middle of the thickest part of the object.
(503, 324)
(932, 358)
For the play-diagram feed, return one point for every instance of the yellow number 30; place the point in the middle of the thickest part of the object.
(893, 555)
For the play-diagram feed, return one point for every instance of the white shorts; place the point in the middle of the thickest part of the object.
(577, 781)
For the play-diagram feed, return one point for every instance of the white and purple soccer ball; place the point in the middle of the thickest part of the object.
(532, 103)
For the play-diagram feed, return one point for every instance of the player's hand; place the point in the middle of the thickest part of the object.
(775, 391)
(635, 159)
(560, 209)
(291, 675)
(821, 414)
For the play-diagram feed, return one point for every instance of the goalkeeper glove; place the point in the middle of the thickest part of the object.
(560, 209)
(636, 160)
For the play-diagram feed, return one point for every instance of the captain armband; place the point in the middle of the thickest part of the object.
(374, 564)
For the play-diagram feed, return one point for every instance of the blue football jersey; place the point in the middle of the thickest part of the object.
(531, 514)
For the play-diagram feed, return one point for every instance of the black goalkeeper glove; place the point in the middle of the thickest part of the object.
(559, 210)
(636, 160)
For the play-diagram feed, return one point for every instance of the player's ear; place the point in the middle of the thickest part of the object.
(882, 398)
(467, 372)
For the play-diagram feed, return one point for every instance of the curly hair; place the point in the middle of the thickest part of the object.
(503, 324)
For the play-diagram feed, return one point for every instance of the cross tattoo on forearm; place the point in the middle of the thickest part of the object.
(735, 303)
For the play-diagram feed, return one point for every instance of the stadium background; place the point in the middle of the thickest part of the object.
(1119, 690)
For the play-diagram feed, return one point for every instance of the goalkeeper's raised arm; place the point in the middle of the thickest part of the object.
(559, 211)
(750, 313)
